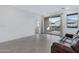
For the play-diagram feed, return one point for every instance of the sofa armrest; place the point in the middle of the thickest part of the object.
(59, 48)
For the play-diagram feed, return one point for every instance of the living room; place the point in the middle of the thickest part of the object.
(35, 28)
(39, 29)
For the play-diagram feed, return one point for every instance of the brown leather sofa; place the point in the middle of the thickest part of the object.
(59, 48)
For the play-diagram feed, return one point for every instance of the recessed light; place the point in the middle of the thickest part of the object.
(62, 8)
(67, 8)
(57, 10)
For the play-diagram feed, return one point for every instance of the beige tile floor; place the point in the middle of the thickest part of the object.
(32, 44)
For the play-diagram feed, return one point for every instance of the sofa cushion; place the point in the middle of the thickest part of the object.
(76, 47)
(59, 48)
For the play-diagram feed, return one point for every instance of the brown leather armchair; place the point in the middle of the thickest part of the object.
(59, 48)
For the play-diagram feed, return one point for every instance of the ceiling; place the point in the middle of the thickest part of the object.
(47, 9)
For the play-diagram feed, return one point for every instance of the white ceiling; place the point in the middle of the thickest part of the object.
(47, 9)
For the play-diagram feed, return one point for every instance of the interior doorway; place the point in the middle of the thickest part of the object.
(53, 25)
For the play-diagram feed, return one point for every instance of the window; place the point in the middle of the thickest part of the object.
(72, 20)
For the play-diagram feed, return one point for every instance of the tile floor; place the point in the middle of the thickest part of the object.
(33, 44)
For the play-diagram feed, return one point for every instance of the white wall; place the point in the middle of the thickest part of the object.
(16, 23)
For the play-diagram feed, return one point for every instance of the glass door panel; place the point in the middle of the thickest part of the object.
(54, 25)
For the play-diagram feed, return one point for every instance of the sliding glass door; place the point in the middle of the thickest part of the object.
(54, 26)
